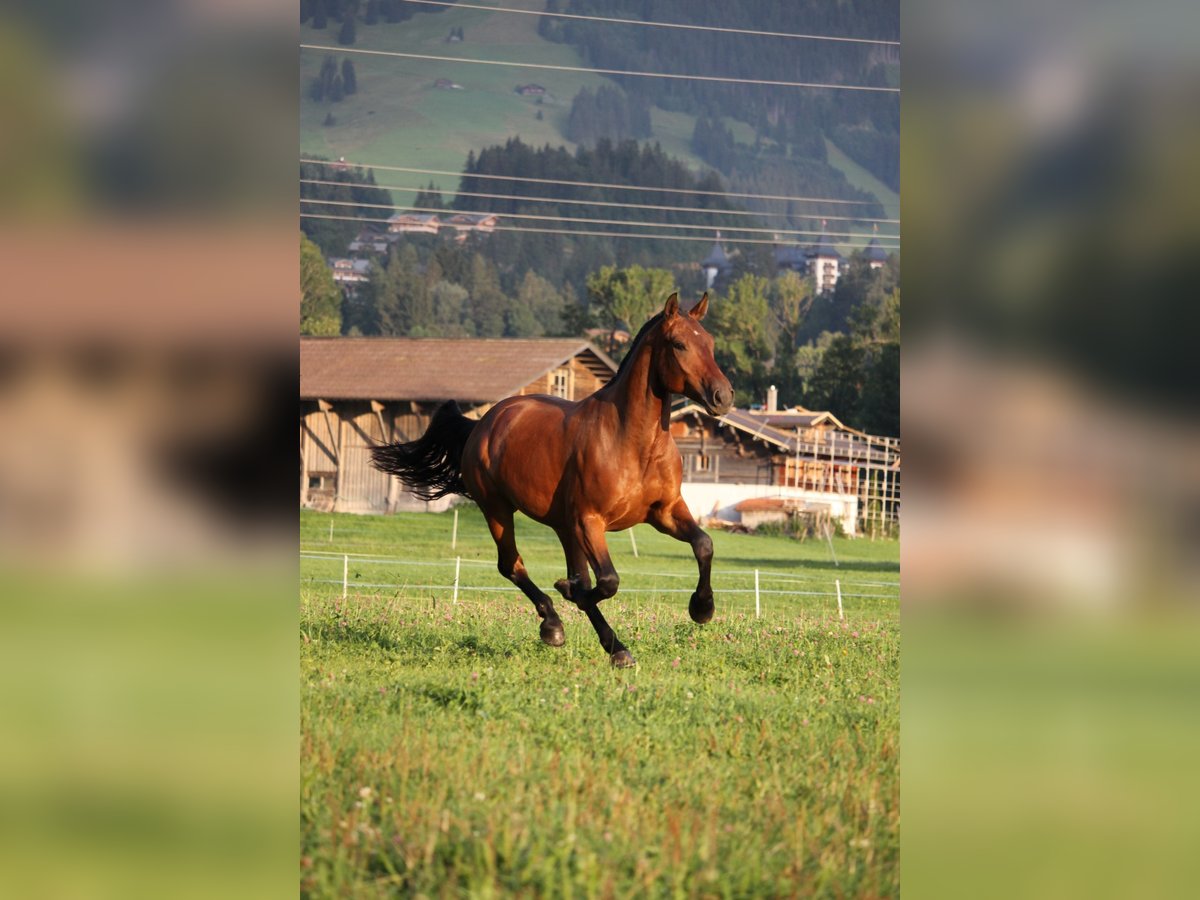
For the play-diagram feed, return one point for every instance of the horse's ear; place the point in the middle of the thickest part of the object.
(700, 309)
(672, 307)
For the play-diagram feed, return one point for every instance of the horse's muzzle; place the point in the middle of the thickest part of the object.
(720, 400)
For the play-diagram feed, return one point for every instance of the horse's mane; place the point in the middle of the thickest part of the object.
(636, 342)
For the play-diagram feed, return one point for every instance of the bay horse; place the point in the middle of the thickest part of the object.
(605, 463)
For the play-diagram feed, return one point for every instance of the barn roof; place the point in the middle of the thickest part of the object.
(843, 441)
(465, 369)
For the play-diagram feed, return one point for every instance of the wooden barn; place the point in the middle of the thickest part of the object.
(801, 459)
(359, 392)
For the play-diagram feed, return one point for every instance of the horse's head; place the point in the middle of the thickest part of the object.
(685, 363)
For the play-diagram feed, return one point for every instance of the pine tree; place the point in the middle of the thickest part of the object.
(328, 71)
(371, 17)
(349, 79)
(346, 35)
(320, 297)
(329, 120)
(320, 19)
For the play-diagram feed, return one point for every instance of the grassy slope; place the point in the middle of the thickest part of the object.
(863, 180)
(399, 118)
(744, 758)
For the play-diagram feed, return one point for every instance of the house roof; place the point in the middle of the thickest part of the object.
(410, 216)
(358, 266)
(465, 369)
(823, 248)
(797, 417)
(875, 253)
(790, 255)
(470, 218)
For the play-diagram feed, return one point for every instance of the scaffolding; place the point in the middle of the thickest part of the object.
(851, 462)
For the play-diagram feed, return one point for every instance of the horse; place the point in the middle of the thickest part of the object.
(604, 463)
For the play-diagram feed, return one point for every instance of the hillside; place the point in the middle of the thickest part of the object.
(399, 116)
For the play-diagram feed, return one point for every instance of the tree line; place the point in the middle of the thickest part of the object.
(766, 330)
(607, 112)
(319, 14)
(797, 120)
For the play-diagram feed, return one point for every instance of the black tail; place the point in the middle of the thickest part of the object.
(430, 465)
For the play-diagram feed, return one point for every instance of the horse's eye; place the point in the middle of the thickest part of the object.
(679, 345)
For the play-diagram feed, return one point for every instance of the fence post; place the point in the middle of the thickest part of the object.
(757, 605)
(457, 568)
(838, 584)
(345, 573)
(829, 540)
(331, 529)
(454, 535)
(633, 541)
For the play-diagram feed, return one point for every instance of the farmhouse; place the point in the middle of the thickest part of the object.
(371, 241)
(464, 223)
(800, 460)
(356, 393)
(350, 273)
(530, 90)
(413, 223)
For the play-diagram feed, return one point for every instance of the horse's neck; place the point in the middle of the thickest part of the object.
(644, 409)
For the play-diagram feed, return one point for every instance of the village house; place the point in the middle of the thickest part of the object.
(464, 223)
(530, 90)
(356, 393)
(788, 462)
(716, 265)
(370, 241)
(413, 223)
(824, 264)
(875, 255)
(350, 273)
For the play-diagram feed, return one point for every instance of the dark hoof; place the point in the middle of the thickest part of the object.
(552, 634)
(622, 659)
(701, 609)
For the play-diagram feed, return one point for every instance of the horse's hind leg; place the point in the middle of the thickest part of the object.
(512, 567)
(577, 587)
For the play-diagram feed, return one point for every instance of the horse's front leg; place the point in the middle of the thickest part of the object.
(676, 520)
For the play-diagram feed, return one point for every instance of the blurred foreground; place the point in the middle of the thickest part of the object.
(1052, 491)
(147, 366)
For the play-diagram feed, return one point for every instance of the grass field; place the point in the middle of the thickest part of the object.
(446, 752)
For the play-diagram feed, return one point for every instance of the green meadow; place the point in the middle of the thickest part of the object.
(446, 752)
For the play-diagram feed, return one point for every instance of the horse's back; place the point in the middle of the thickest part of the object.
(519, 450)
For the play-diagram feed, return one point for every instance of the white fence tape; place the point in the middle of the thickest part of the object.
(765, 574)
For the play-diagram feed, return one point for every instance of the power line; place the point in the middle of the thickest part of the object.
(563, 201)
(592, 221)
(592, 184)
(675, 76)
(581, 233)
(750, 31)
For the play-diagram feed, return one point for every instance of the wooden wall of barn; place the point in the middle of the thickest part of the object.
(585, 380)
(335, 454)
